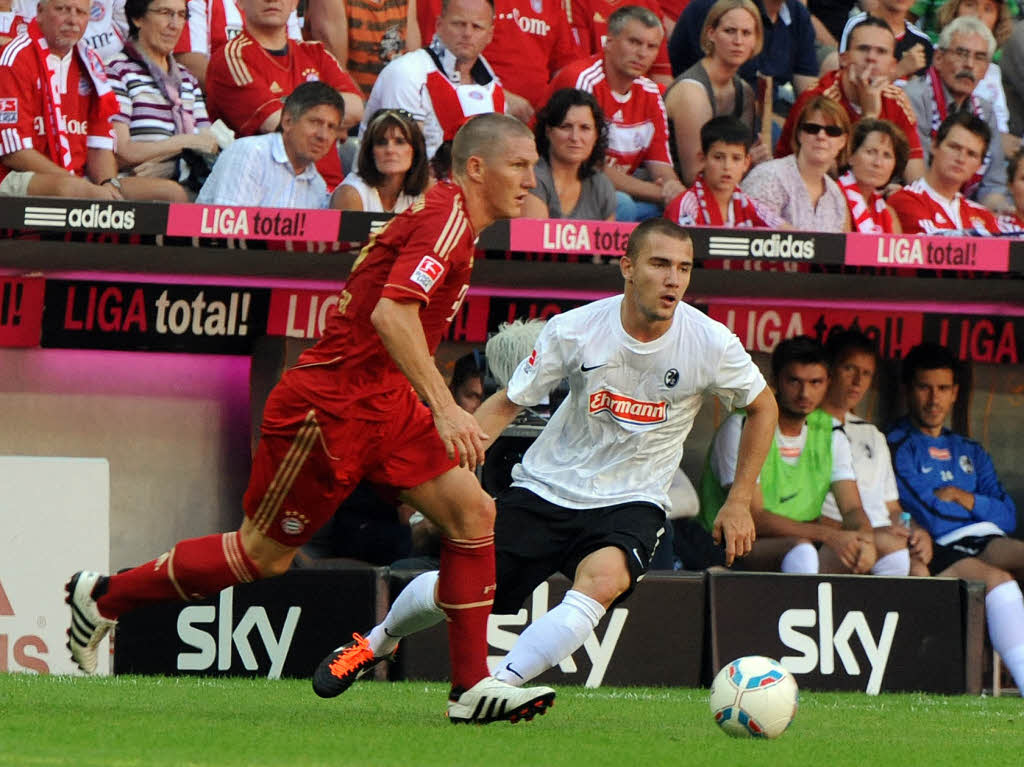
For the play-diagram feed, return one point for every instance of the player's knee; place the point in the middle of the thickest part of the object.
(995, 576)
(271, 566)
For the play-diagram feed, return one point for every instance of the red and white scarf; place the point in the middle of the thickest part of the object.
(871, 216)
(940, 110)
(743, 211)
(53, 115)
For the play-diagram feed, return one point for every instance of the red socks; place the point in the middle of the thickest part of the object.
(465, 592)
(193, 569)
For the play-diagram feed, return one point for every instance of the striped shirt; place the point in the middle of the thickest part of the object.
(143, 104)
(255, 171)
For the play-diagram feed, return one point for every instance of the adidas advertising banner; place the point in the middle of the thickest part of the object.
(21, 311)
(114, 217)
(839, 632)
(277, 627)
(154, 317)
(656, 637)
(56, 520)
(802, 247)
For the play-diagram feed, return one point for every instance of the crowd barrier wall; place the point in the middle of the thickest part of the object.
(677, 629)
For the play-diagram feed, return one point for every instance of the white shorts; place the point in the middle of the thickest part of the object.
(15, 183)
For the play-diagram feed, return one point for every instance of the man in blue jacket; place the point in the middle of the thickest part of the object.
(949, 485)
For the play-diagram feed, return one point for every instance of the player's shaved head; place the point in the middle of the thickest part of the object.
(485, 136)
(640, 238)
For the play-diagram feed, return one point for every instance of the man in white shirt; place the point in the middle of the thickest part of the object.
(590, 496)
(278, 170)
(448, 81)
(903, 549)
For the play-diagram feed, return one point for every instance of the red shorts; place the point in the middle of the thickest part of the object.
(308, 461)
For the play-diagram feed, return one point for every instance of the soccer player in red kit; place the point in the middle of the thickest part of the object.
(348, 411)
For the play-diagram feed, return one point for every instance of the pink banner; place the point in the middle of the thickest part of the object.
(564, 236)
(988, 254)
(192, 220)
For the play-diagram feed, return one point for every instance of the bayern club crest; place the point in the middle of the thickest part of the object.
(537, 5)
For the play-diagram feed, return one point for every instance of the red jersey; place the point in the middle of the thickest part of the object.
(697, 207)
(589, 22)
(922, 211)
(896, 109)
(532, 41)
(245, 84)
(424, 254)
(637, 124)
(211, 23)
(23, 107)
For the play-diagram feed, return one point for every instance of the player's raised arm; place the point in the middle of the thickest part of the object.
(734, 526)
(398, 325)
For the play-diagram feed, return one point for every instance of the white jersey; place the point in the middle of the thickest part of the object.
(402, 84)
(618, 436)
(872, 464)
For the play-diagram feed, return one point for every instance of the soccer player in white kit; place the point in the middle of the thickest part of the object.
(590, 496)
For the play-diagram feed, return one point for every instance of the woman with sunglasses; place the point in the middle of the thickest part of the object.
(571, 138)
(798, 187)
(392, 171)
(163, 131)
(878, 154)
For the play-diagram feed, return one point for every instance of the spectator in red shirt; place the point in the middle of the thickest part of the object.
(56, 138)
(637, 126)
(934, 202)
(589, 22)
(532, 42)
(250, 75)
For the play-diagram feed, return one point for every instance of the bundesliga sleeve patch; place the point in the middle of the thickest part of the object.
(427, 273)
(8, 111)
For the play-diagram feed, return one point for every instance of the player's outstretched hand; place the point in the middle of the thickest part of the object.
(461, 434)
(735, 528)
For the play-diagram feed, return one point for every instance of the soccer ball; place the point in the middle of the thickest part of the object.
(754, 697)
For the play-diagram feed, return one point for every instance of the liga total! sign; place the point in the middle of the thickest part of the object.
(56, 514)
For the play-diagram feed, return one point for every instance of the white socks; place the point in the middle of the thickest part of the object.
(802, 558)
(1004, 611)
(414, 610)
(550, 639)
(893, 563)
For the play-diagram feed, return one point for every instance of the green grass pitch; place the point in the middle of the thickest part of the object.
(206, 722)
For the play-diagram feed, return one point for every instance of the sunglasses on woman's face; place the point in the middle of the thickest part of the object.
(832, 131)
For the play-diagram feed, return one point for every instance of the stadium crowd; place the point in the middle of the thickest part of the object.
(138, 99)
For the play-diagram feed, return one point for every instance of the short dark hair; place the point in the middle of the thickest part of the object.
(553, 113)
(310, 95)
(728, 130)
(620, 16)
(965, 119)
(639, 237)
(136, 9)
(872, 21)
(928, 356)
(842, 343)
(418, 175)
(865, 126)
(472, 365)
(803, 350)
